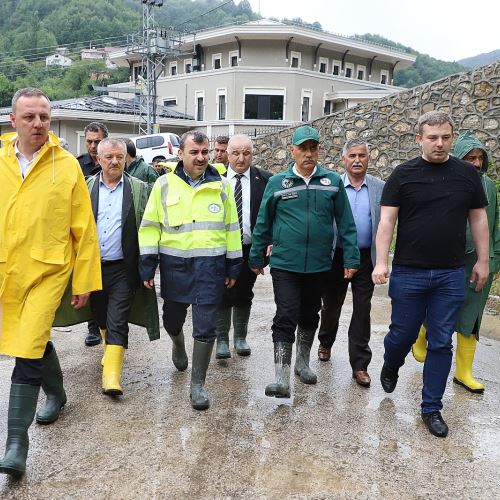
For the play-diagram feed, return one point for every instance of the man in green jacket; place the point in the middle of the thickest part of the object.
(297, 217)
(469, 148)
(137, 167)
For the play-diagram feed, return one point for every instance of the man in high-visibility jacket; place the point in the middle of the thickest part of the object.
(191, 221)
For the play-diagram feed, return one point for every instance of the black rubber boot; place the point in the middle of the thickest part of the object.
(282, 362)
(241, 315)
(179, 356)
(22, 406)
(202, 351)
(305, 339)
(52, 385)
(223, 325)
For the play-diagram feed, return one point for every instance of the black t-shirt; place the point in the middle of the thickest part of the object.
(434, 200)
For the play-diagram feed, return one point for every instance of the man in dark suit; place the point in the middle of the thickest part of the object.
(118, 202)
(94, 133)
(364, 192)
(248, 183)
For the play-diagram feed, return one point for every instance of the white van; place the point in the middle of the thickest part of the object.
(162, 146)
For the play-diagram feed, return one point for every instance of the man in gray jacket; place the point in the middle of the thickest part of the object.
(364, 192)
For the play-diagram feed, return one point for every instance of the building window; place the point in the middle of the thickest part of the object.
(305, 112)
(233, 58)
(384, 77)
(323, 65)
(349, 70)
(173, 68)
(327, 108)
(188, 65)
(221, 104)
(336, 68)
(264, 107)
(170, 101)
(200, 105)
(295, 58)
(360, 75)
(216, 61)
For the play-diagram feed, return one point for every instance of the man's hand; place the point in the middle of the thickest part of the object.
(380, 274)
(229, 282)
(480, 272)
(269, 251)
(349, 273)
(79, 301)
(257, 270)
(149, 284)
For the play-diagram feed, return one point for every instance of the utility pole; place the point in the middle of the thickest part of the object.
(152, 45)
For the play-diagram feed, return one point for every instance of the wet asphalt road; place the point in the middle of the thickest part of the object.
(331, 440)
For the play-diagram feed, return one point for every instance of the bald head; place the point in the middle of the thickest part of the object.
(240, 149)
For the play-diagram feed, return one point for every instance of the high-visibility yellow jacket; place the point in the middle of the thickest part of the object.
(47, 231)
(196, 234)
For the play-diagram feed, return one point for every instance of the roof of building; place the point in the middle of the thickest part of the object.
(106, 104)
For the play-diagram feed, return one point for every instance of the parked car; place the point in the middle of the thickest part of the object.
(153, 147)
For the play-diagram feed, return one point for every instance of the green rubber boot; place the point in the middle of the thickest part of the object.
(223, 325)
(52, 385)
(305, 339)
(202, 351)
(179, 356)
(22, 406)
(241, 315)
(282, 361)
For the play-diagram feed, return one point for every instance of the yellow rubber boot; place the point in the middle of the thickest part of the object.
(103, 331)
(419, 348)
(466, 348)
(112, 370)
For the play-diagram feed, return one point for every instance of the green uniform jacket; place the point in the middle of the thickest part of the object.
(298, 220)
(145, 306)
(471, 313)
(141, 170)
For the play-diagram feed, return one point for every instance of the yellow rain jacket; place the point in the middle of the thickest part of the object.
(47, 231)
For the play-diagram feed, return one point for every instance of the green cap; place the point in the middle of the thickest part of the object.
(303, 134)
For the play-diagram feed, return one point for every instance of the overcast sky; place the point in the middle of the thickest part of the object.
(444, 29)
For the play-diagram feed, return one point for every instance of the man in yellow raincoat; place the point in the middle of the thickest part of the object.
(47, 232)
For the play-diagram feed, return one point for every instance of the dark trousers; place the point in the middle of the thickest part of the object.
(334, 295)
(29, 371)
(111, 306)
(174, 316)
(298, 301)
(241, 294)
(434, 295)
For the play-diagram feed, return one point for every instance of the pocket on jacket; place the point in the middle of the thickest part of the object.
(53, 255)
(174, 211)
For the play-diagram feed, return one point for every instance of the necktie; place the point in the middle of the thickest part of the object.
(239, 202)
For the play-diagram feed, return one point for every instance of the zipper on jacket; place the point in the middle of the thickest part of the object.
(307, 233)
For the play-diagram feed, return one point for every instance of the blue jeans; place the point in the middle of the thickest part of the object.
(433, 295)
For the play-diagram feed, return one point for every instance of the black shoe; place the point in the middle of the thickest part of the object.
(435, 423)
(93, 339)
(388, 378)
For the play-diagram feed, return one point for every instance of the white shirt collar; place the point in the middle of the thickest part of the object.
(231, 173)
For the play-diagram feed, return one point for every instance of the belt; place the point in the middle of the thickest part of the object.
(111, 262)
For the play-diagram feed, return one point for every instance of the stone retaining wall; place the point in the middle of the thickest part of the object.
(388, 124)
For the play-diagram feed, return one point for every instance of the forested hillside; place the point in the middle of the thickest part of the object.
(32, 29)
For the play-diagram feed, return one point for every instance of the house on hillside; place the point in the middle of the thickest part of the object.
(59, 58)
(101, 53)
(241, 78)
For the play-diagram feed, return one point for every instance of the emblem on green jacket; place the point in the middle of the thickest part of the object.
(214, 208)
(287, 183)
(325, 181)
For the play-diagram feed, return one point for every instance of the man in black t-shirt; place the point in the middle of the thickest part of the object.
(431, 197)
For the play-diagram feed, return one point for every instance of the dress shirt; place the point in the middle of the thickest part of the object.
(298, 174)
(245, 198)
(192, 182)
(109, 220)
(360, 206)
(24, 163)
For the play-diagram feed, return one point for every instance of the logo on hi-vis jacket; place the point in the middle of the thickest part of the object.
(214, 208)
(325, 181)
(287, 183)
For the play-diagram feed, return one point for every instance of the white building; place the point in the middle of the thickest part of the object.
(59, 58)
(239, 78)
